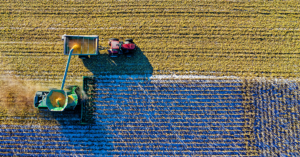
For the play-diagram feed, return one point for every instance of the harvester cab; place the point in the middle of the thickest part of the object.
(57, 100)
(117, 48)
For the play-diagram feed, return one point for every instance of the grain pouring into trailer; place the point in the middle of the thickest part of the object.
(58, 100)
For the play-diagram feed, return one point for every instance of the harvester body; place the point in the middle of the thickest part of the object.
(56, 100)
(73, 98)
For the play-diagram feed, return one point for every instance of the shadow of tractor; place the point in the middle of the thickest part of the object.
(102, 64)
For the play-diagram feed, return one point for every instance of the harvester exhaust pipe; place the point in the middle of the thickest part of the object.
(66, 71)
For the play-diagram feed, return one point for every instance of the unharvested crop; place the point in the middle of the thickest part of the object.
(200, 38)
(213, 37)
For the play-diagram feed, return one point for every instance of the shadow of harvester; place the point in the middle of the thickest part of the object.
(67, 135)
(102, 64)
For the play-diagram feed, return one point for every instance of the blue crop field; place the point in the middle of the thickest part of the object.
(135, 115)
(140, 116)
(171, 97)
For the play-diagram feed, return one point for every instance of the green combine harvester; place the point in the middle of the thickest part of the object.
(58, 100)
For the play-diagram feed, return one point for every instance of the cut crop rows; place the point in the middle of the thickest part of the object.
(204, 38)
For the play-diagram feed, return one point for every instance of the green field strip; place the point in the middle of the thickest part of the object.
(171, 107)
(194, 99)
(194, 115)
(159, 153)
(127, 94)
(162, 138)
(128, 140)
(25, 152)
(201, 38)
(166, 90)
(124, 147)
(171, 85)
(228, 112)
(194, 102)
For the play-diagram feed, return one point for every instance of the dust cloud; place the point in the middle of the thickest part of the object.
(17, 95)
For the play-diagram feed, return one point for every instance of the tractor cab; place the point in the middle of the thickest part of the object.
(114, 47)
(128, 49)
(117, 48)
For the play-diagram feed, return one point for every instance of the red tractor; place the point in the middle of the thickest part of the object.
(116, 47)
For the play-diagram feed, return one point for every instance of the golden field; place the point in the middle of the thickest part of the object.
(189, 37)
(175, 37)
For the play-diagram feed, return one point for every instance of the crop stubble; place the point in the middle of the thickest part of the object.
(210, 38)
(205, 38)
(177, 37)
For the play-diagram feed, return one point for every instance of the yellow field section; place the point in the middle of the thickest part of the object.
(174, 37)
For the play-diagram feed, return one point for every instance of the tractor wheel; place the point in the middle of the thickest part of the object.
(112, 39)
(113, 55)
(129, 40)
(129, 55)
(83, 57)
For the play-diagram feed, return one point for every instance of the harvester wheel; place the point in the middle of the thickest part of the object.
(69, 87)
(82, 97)
(52, 89)
(129, 40)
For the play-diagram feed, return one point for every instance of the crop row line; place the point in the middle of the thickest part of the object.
(165, 27)
(167, 32)
(120, 132)
(176, 26)
(188, 51)
(159, 4)
(126, 14)
(177, 54)
(123, 13)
